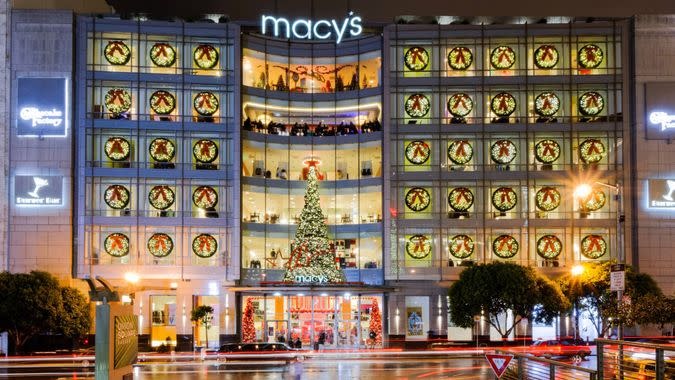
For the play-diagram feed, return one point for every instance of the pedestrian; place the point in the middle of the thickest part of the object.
(298, 343)
(372, 336)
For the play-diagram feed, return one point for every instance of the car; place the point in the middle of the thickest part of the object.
(255, 347)
(556, 347)
(642, 366)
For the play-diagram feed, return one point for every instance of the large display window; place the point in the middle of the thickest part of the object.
(311, 74)
(163, 314)
(316, 321)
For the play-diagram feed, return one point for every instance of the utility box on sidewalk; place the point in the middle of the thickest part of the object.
(116, 341)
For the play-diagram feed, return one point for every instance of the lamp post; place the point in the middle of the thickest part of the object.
(582, 191)
(577, 271)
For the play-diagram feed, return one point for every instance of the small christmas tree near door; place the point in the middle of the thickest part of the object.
(312, 258)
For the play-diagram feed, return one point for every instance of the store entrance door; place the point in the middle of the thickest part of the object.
(348, 334)
(277, 331)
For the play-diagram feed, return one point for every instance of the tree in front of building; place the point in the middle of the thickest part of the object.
(247, 323)
(203, 315)
(312, 257)
(497, 288)
(35, 303)
(375, 328)
(590, 292)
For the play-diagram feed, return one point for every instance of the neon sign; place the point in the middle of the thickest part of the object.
(665, 120)
(37, 117)
(307, 29)
(38, 191)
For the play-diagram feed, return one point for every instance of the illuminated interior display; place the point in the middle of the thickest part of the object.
(160, 245)
(592, 151)
(593, 246)
(417, 105)
(503, 104)
(547, 198)
(117, 101)
(546, 104)
(116, 244)
(417, 199)
(205, 56)
(205, 151)
(162, 102)
(460, 105)
(503, 151)
(117, 148)
(461, 246)
(418, 246)
(594, 201)
(591, 103)
(549, 247)
(117, 53)
(416, 58)
(505, 246)
(161, 197)
(204, 246)
(590, 56)
(502, 57)
(504, 199)
(547, 151)
(162, 150)
(163, 54)
(116, 196)
(546, 57)
(205, 103)
(205, 197)
(460, 152)
(417, 152)
(460, 58)
(460, 199)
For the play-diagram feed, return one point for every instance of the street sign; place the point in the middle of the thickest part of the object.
(617, 281)
(498, 363)
(618, 267)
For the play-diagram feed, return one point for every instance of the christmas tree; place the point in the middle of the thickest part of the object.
(376, 323)
(311, 254)
(248, 328)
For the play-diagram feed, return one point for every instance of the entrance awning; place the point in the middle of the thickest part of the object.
(308, 290)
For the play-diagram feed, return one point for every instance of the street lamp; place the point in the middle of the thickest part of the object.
(582, 191)
(576, 271)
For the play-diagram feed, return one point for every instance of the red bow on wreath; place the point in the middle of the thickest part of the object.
(462, 193)
(161, 97)
(116, 146)
(548, 195)
(417, 194)
(418, 149)
(460, 56)
(204, 99)
(505, 195)
(416, 102)
(549, 244)
(592, 148)
(504, 148)
(503, 106)
(547, 103)
(593, 196)
(504, 56)
(460, 148)
(160, 190)
(116, 242)
(460, 101)
(548, 148)
(205, 148)
(115, 195)
(116, 96)
(205, 192)
(161, 50)
(160, 240)
(160, 147)
(116, 47)
(462, 246)
(592, 101)
(594, 245)
(505, 241)
(419, 244)
(205, 50)
(548, 53)
(416, 53)
(204, 241)
(590, 53)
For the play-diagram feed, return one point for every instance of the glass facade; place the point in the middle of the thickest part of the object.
(491, 128)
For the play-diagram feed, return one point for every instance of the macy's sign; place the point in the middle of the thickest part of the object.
(312, 29)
